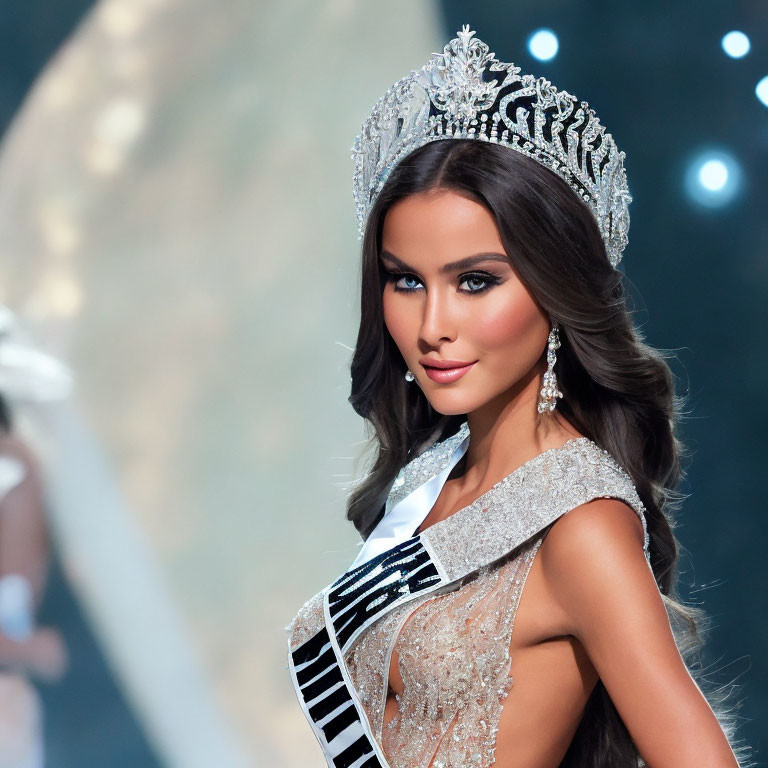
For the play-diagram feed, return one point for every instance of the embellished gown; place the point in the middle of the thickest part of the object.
(445, 601)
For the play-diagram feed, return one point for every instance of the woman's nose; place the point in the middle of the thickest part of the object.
(438, 321)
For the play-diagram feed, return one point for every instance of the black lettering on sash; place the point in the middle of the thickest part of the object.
(337, 724)
(406, 570)
(352, 753)
(316, 667)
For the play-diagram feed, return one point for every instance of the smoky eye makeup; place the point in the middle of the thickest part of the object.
(401, 278)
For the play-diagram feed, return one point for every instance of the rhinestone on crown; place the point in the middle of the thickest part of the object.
(466, 93)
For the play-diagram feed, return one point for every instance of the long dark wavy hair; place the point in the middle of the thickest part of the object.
(617, 390)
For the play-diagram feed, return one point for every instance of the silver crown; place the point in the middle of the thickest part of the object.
(456, 95)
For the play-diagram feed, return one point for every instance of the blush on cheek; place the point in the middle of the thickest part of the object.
(511, 324)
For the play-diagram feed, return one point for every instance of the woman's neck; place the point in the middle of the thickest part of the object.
(505, 435)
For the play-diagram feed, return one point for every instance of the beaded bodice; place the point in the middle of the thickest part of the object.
(453, 657)
(451, 643)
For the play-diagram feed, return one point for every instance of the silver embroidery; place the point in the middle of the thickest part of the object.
(446, 715)
(425, 466)
(534, 495)
(307, 622)
(453, 657)
(538, 491)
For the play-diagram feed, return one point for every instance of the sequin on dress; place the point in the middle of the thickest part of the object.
(454, 661)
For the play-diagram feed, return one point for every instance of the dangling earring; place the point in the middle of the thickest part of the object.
(409, 376)
(549, 391)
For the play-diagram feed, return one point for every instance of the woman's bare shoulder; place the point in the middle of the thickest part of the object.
(592, 550)
(599, 522)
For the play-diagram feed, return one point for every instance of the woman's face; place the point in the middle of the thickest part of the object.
(452, 295)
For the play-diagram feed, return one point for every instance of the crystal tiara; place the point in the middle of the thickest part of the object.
(458, 94)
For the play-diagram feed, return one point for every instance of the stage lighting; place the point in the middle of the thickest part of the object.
(761, 90)
(713, 178)
(735, 44)
(543, 44)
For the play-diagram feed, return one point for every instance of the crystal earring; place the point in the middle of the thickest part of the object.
(549, 391)
(409, 376)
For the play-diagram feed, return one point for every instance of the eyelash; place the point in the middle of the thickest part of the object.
(489, 280)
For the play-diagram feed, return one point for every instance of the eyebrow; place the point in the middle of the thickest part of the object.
(453, 266)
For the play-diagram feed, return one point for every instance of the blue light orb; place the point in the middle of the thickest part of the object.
(761, 90)
(543, 44)
(735, 44)
(713, 175)
(713, 178)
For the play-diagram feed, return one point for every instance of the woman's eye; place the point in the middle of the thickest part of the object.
(479, 282)
(406, 279)
(471, 280)
(398, 278)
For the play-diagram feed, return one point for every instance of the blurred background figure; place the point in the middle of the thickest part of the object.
(26, 650)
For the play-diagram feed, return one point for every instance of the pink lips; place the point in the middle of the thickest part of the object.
(446, 375)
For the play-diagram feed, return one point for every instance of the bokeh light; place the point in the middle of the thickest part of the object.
(713, 178)
(543, 44)
(761, 90)
(735, 44)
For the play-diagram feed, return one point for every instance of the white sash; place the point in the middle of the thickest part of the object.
(400, 522)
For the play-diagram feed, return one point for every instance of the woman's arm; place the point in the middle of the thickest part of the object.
(24, 538)
(25, 552)
(593, 561)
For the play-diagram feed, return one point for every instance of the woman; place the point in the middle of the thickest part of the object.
(27, 650)
(527, 456)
